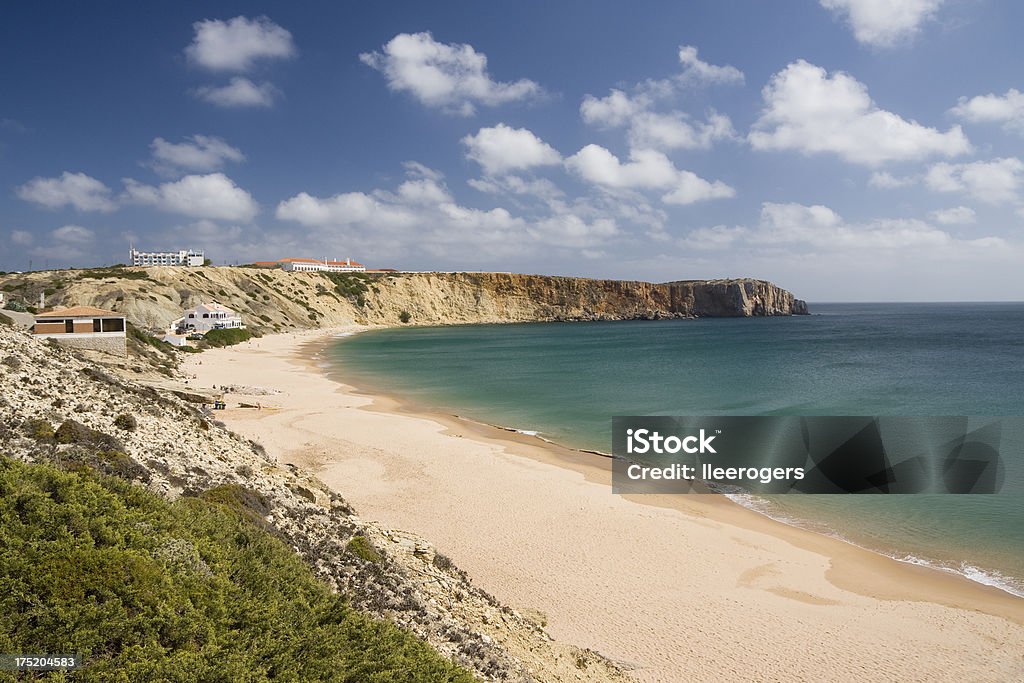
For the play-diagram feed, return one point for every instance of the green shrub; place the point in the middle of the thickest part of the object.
(117, 272)
(348, 285)
(405, 316)
(39, 429)
(15, 306)
(73, 432)
(245, 502)
(361, 547)
(148, 590)
(228, 337)
(126, 422)
(443, 562)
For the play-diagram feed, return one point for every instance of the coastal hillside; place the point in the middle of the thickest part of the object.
(276, 300)
(94, 468)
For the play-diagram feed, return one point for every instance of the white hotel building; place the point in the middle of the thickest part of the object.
(187, 258)
(305, 265)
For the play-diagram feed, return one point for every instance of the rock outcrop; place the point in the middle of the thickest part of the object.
(279, 300)
(58, 408)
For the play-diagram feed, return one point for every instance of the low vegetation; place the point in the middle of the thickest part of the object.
(148, 590)
(118, 272)
(361, 547)
(228, 337)
(352, 286)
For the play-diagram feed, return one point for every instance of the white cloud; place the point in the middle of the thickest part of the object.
(810, 111)
(196, 153)
(675, 131)
(994, 182)
(698, 72)
(213, 196)
(74, 234)
(820, 229)
(960, 215)
(452, 77)
(612, 111)
(415, 169)
(78, 190)
(21, 237)
(423, 192)
(501, 149)
(883, 23)
(541, 188)
(646, 169)
(421, 215)
(570, 230)
(1007, 109)
(236, 44)
(343, 209)
(887, 181)
(67, 244)
(239, 92)
(691, 188)
(664, 130)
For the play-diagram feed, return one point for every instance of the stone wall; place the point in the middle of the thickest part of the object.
(113, 344)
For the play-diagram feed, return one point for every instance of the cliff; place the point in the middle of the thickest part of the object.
(276, 300)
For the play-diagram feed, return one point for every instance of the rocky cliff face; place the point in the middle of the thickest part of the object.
(276, 300)
(501, 297)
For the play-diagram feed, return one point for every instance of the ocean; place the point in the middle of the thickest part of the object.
(565, 381)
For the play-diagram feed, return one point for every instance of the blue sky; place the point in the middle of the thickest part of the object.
(845, 149)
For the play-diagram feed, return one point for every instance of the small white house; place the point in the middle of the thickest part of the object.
(205, 317)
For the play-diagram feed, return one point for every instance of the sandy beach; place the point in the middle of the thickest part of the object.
(683, 588)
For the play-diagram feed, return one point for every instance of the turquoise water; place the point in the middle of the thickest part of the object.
(566, 380)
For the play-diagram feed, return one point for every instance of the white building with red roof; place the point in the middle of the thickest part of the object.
(205, 317)
(307, 265)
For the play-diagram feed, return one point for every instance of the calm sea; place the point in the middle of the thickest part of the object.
(566, 380)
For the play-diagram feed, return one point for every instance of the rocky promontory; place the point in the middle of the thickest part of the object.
(276, 300)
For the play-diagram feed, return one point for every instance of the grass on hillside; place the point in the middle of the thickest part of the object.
(148, 590)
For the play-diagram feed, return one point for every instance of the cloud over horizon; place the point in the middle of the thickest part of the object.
(78, 190)
(810, 111)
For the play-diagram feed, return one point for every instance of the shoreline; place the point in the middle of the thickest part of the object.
(498, 432)
(733, 558)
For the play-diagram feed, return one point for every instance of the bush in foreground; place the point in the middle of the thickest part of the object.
(148, 590)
